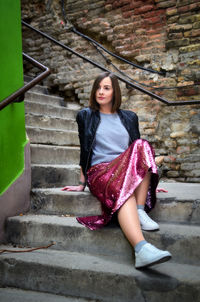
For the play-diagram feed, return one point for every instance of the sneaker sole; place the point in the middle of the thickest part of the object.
(146, 229)
(161, 260)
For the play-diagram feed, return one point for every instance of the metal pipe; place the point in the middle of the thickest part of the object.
(21, 91)
(135, 86)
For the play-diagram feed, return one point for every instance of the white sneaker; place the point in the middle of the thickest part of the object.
(147, 224)
(149, 255)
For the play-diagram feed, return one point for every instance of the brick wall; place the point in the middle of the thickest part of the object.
(163, 35)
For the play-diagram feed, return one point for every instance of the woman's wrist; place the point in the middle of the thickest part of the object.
(82, 183)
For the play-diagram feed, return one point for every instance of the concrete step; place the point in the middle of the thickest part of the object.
(57, 155)
(45, 121)
(51, 176)
(38, 97)
(180, 205)
(76, 274)
(52, 136)
(182, 241)
(50, 110)
(40, 94)
(57, 202)
(38, 89)
(19, 295)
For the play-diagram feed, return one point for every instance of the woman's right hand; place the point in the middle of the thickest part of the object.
(78, 188)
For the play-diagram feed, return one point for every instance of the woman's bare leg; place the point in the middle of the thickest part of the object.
(142, 190)
(129, 221)
(145, 253)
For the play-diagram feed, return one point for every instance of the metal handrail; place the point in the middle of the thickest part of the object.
(72, 28)
(17, 96)
(128, 83)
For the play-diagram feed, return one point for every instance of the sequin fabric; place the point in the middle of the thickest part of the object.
(114, 182)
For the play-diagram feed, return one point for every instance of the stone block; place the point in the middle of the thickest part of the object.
(178, 134)
(179, 126)
(193, 173)
(143, 58)
(179, 28)
(194, 6)
(154, 20)
(170, 143)
(190, 166)
(171, 12)
(127, 15)
(174, 36)
(177, 43)
(185, 141)
(173, 19)
(126, 8)
(196, 25)
(143, 9)
(196, 123)
(192, 33)
(166, 4)
(183, 149)
(195, 40)
(190, 48)
(189, 19)
(193, 179)
(108, 7)
(173, 174)
(183, 9)
(136, 4)
(150, 131)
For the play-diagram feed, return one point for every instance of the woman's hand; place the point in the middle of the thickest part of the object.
(79, 188)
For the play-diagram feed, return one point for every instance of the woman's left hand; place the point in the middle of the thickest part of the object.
(79, 188)
(158, 190)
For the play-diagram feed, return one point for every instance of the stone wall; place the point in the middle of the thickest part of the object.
(163, 35)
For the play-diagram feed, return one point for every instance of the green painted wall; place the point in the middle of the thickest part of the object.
(12, 120)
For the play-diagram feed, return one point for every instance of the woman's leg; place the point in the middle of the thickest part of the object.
(145, 253)
(142, 190)
(129, 221)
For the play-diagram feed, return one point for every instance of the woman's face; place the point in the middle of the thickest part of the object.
(104, 93)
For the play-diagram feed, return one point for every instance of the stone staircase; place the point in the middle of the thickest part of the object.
(83, 265)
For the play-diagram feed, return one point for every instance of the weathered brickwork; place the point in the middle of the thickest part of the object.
(158, 34)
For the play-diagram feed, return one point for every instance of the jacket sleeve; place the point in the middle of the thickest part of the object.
(137, 131)
(134, 125)
(81, 131)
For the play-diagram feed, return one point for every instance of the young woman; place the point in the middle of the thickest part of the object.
(119, 168)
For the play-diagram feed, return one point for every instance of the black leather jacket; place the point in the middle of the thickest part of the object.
(88, 121)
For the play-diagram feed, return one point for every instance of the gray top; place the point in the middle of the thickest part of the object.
(111, 139)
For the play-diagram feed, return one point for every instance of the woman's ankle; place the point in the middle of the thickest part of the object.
(140, 207)
(139, 245)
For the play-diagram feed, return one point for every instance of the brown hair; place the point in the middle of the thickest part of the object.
(116, 100)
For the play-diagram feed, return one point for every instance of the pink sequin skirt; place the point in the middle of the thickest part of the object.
(114, 182)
